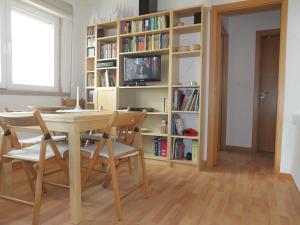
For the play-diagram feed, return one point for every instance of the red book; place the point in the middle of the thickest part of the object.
(164, 147)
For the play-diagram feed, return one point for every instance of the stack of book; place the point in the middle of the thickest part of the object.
(107, 51)
(160, 146)
(149, 42)
(90, 79)
(195, 150)
(187, 100)
(178, 149)
(108, 79)
(153, 23)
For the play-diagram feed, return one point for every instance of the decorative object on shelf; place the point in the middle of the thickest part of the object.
(165, 105)
(194, 47)
(193, 83)
(180, 24)
(189, 156)
(77, 107)
(190, 132)
(147, 6)
(163, 126)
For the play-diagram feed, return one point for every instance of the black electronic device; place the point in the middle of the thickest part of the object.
(142, 69)
(104, 64)
(147, 6)
(197, 17)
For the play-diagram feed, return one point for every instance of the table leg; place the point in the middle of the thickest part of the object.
(75, 174)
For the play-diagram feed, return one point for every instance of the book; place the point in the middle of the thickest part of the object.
(187, 100)
(195, 150)
(178, 151)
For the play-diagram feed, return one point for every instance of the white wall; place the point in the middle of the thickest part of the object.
(241, 68)
(290, 157)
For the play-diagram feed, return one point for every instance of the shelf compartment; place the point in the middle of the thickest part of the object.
(190, 28)
(108, 25)
(162, 13)
(150, 52)
(154, 134)
(189, 11)
(148, 32)
(185, 137)
(187, 53)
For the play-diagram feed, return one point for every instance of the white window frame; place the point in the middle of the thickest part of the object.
(34, 12)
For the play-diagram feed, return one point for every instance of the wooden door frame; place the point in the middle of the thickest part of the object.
(214, 76)
(259, 35)
(224, 88)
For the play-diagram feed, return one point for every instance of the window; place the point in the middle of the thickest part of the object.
(32, 48)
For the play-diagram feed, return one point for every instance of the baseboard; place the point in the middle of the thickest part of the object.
(289, 177)
(237, 148)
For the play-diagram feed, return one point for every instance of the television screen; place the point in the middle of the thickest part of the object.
(142, 69)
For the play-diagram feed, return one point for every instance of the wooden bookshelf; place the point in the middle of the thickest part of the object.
(154, 94)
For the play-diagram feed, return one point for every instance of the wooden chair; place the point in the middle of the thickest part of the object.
(71, 102)
(127, 144)
(33, 158)
(26, 142)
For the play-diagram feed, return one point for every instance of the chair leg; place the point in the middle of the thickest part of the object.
(38, 194)
(115, 187)
(145, 178)
(107, 178)
(34, 171)
(29, 175)
(129, 165)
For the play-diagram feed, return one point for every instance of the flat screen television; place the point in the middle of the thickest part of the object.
(142, 69)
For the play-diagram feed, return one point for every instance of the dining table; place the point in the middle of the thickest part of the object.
(72, 123)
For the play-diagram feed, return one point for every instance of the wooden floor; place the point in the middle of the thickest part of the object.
(242, 190)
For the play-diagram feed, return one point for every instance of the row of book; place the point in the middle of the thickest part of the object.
(179, 151)
(108, 78)
(90, 80)
(160, 147)
(187, 100)
(107, 51)
(148, 42)
(153, 23)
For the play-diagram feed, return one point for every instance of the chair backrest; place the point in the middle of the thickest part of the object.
(128, 124)
(71, 102)
(9, 121)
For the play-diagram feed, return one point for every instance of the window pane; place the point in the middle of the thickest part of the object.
(32, 50)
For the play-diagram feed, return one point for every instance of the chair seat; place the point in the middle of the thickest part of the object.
(32, 153)
(38, 139)
(119, 149)
(94, 137)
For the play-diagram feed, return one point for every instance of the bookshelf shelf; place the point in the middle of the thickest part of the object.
(184, 161)
(188, 112)
(108, 38)
(147, 52)
(151, 156)
(144, 87)
(187, 53)
(105, 87)
(188, 28)
(108, 68)
(185, 137)
(155, 134)
(103, 60)
(157, 113)
(185, 86)
(148, 32)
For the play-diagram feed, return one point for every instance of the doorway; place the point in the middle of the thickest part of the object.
(215, 83)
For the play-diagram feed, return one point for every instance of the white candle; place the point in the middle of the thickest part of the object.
(77, 99)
